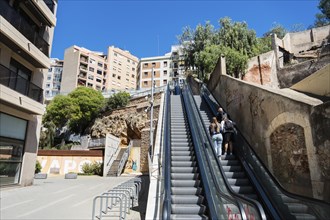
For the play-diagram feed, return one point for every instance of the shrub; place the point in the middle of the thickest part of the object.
(38, 167)
(118, 100)
(95, 168)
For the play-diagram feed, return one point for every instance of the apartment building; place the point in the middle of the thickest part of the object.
(83, 67)
(177, 65)
(161, 65)
(52, 83)
(122, 70)
(26, 35)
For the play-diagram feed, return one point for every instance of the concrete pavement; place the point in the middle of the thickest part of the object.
(59, 198)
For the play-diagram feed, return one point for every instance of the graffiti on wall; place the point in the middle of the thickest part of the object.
(64, 164)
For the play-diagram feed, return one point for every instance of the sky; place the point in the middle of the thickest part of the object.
(149, 28)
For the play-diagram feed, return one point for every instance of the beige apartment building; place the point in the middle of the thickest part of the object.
(161, 66)
(26, 35)
(83, 67)
(122, 70)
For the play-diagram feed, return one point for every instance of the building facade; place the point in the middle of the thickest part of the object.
(26, 35)
(122, 69)
(52, 83)
(161, 66)
(83, 67)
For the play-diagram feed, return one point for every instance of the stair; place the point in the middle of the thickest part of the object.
(114, 167)
(187, 200)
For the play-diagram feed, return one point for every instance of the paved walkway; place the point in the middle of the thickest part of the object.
(59, 198)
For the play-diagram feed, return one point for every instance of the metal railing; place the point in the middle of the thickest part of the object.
(126, 194)
(15, 82)
(124, 158)
(17, 20)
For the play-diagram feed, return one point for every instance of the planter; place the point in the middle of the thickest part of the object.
(70, 176)
(40, 176)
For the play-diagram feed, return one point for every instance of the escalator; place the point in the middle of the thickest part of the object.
(187, 200)
(192, 189)
(249, 177)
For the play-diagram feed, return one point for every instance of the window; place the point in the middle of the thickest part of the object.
(118, 77)
(89, 84)
(49, 77)
(50, 69)
(119, 63)
(165, 72)
(99, 80)
(98, 87)
(113, 75)
(47, 92)
(145, 65)
(165, 63)
(133, 76)
(99, 72)
(133, 69)
(164, 82)
(114, 68)
(92, 61)
(22, 75)
(145, 83)
(153, 64)
(48, 85)
(145, 73)
(91, 69)
(115, 54)
(128, 60)
(127, 80)
(100, 64)
(91, 77)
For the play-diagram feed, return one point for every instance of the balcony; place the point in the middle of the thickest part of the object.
(15, 82)
(16, 20)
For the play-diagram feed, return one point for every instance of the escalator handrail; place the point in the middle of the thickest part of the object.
(269, 174)
(194, 135)
(232, 193)
(167, 156)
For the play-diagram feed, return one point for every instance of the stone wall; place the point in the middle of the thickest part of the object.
(264, 114)
(262, 70)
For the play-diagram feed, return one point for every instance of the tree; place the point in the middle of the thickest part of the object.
(90, 102)
(76, 110)
(323, 18)
(277, 29)
(118, 100)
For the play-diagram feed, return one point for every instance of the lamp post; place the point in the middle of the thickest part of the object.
(151, 115)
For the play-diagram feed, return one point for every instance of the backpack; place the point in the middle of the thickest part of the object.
(229, 127)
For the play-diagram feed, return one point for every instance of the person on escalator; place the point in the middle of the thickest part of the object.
(215, 133)
(220, 114)
(229, 132)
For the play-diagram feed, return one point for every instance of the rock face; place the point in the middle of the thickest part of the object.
(125, 123)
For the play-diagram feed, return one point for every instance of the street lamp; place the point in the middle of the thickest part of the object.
(151, 115)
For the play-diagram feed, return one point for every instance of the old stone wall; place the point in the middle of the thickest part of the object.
(262, 70)
(264, 116)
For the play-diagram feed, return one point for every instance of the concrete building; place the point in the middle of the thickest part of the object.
(52, 83)
(177, 57)
(26, 35)
(83, 67)
(162, 69)
(122, 70)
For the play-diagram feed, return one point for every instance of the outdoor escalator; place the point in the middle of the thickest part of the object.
(191, 187)
(249, 177)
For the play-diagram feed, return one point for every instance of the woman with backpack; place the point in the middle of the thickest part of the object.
(227, 126)
(215, 133)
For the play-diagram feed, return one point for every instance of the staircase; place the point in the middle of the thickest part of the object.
(114, 167)
(187, 201)
(239, 181)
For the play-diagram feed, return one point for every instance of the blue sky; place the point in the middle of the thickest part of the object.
(149, 28)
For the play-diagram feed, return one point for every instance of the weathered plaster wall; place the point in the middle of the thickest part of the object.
(262, 70)
(265, 116)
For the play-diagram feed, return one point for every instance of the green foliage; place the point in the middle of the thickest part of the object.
(47, 135)
(38, 167)
(204, 45)
(277, 29)
(95, 168)
(323, 18)
(76, 110)
(118, 100)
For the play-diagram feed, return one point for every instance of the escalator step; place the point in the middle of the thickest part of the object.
(183, 163)
(182, 153)
(243, 189)
(235, 174)
(186, 190)
(297, 208)
(185, 183)
(232, 168)
(187, 209)
(186, 199)
(188, 217)
(184, 176)
(304, 217)
(238, 182)
(182, 158)
(184, 169)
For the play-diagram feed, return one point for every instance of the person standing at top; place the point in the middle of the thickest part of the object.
(215, 133)
(229, 132)
(220, 114)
